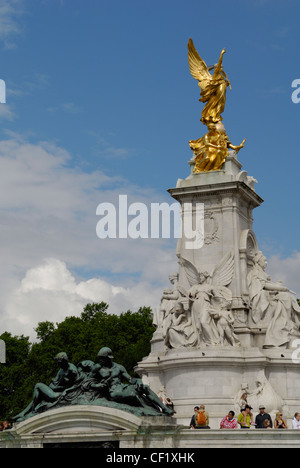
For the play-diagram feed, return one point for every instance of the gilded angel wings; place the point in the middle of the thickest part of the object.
(213, 87)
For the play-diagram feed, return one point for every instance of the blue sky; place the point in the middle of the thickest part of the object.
(100, 101)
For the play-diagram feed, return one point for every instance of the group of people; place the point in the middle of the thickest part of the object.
(262, 421)
(245, 419)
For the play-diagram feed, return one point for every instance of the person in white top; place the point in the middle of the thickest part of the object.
(296, 421)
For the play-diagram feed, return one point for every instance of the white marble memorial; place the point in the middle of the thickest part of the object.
(223, 328)
(224, 325)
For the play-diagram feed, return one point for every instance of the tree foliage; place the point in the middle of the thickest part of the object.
(128, 335)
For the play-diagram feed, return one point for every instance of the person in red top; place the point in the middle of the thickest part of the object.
(229, 422)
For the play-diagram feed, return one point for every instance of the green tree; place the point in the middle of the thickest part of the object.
(14, 374)
(128, 335)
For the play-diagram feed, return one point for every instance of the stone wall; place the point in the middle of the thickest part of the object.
(97, 427)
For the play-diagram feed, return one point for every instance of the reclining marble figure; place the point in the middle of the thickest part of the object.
(272, 303)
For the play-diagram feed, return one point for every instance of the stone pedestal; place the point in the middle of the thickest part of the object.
(98, 427)
(229, 198)
(86, 426)
(216, 378)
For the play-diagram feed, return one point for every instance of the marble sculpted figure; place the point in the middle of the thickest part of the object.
(168, 301)
(261, 394)
(202, 315)
(273, 304)
(180, 333)
(208, 319)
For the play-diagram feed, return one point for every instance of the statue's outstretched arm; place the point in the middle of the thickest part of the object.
(276, 287)
(238, 147)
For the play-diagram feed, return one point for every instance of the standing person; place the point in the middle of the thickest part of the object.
(243, 402)
(244, 418)
(262, 417)
(229, 422)
(202, 418)
(296, 421)
(193, 420)
(279, 422)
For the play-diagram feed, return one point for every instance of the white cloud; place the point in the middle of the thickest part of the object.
(10, 12)
(6, 113)
(48, 210)
(49, 292)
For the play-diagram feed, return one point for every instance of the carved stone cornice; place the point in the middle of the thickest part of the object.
(238, 188)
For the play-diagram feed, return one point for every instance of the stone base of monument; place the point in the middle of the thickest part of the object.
(100, 427)
(87, 427)
(217, 378)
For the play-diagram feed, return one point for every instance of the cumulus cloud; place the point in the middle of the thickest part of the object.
(48, 211)
(50, 292)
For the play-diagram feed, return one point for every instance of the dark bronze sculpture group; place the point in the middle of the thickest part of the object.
(104, 383)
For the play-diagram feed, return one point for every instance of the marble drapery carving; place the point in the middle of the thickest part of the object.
(272, 303)
(208, 319)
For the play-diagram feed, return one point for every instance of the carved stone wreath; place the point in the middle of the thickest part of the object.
(211, 228)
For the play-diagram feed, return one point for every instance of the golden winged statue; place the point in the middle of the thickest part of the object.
(213, 87)
(211, 150)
